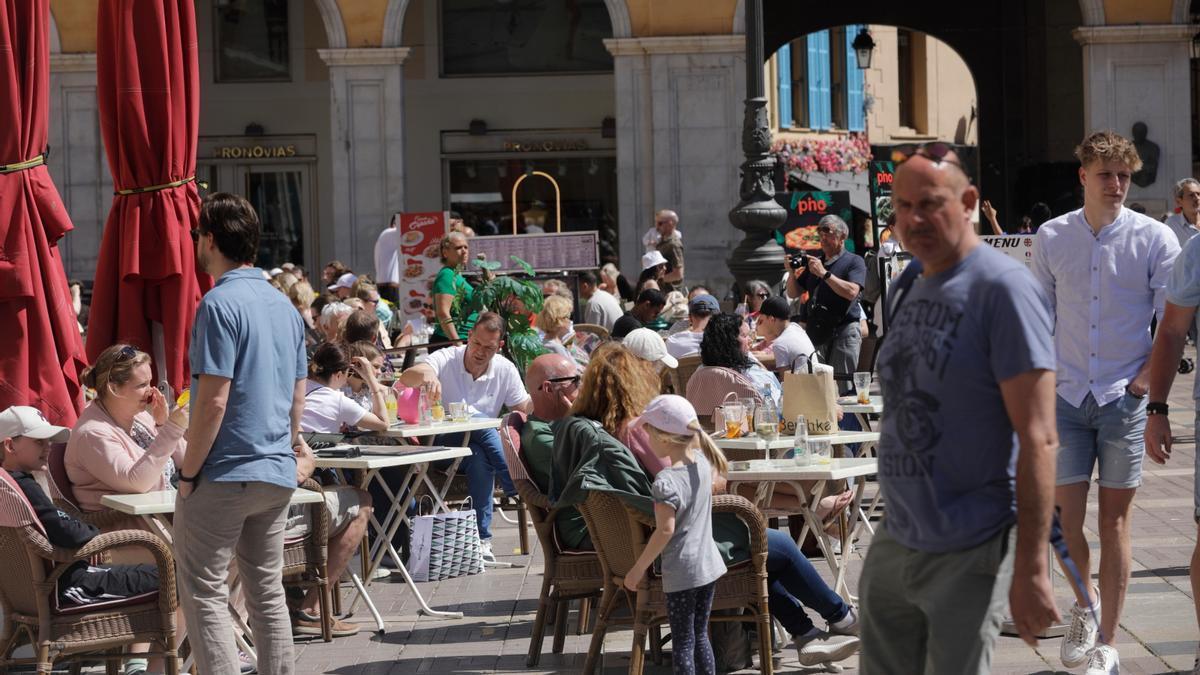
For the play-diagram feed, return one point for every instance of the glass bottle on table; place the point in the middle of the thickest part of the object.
(800, 452)
(424, 412)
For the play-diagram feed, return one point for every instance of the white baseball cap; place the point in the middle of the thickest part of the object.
(347, 280)
(22, 420)
(670, 413)
(652, 259)
(646, 344)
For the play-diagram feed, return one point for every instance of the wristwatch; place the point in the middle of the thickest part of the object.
(186, 479)
(1157, 408)
(827, 274)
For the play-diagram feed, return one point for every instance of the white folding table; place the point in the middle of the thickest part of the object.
(769, 472)
(155, 509)
(368, 466)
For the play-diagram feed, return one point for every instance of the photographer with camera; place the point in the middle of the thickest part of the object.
(833, 282)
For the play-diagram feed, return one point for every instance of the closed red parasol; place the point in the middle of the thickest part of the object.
(147, 82)
(41, 354)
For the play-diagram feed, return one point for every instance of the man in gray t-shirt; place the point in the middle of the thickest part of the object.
(1183, 296)
(968, 361)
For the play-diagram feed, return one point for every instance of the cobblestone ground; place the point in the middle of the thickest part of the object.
(1158, 631)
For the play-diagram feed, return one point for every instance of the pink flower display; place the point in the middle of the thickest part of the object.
(851, 153)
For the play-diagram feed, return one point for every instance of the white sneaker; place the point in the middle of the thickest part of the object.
(1104, 661)
(825, 648)
(848, 625)
(1080, 638)
(488, 556)
(381, 572)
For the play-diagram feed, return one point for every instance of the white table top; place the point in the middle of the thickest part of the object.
(787, 470)
(380, 459)
(163, 501)
(851, 405)
(447, 427)
(786, 441)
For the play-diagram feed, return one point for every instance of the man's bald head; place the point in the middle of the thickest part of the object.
(934, 201)
(551, 400)
(548, 366)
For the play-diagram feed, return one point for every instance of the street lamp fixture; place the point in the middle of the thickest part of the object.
(864, 46)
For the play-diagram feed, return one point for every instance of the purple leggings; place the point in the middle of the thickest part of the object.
(687, 612)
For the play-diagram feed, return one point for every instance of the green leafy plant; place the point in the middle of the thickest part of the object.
(514, 299)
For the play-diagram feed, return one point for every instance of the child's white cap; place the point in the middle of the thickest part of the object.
(669, 413)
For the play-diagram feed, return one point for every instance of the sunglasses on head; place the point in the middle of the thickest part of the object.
(936, 152)
(127, 352)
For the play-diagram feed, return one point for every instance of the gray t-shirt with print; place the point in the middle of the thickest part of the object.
(947, 451)
(691, 558)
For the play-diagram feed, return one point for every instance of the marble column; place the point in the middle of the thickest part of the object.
(367, 126)
(77, 161)
(679, 118)
(1142, 74)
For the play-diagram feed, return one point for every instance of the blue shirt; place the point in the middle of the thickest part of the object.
(947, 449)
(1103, 290)
(248, 332)
(1183, 288)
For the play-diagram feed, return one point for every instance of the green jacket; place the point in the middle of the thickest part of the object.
(587, 458)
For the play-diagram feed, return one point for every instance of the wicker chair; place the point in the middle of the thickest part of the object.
(567, 575)
(595, 329)
(305, 560)
(106, 520)
(682, 374)
(29, 603)
(620, 534)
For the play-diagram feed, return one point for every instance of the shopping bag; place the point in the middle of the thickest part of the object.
(445, 545)
(812, 394)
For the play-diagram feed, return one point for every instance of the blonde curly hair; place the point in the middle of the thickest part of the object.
(617, 386)
(1108, 146)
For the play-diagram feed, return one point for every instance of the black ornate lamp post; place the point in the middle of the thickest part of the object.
(757, 213)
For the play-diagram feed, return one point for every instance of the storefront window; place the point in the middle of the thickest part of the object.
(252, 40)
(481, 190)
(486, 37)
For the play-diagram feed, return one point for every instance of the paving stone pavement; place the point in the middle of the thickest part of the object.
(1158, 631)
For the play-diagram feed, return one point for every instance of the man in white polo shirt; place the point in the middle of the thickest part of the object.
(788, 342)
(477, 374)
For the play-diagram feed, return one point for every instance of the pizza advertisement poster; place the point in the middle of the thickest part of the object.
(880, 182)
(806, 209)
(420, 257)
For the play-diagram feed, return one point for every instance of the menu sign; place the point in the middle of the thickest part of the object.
(420, 257)
(551, 251)
(1019, 247)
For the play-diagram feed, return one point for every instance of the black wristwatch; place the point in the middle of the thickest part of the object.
(185, 479)
(1157, 408)
(827, 275)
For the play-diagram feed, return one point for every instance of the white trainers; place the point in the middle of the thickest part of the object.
(1080, 638)
(848, 625)
(825, 648)
(488, 556)
(1104, 661)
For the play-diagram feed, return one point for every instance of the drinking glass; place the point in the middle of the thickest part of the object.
(862, 385)
(458, 411)
(821, 450)
(766, 423)
(735, 419)
(438, 412)
(749, 407)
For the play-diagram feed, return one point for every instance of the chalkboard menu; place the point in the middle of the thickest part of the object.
(554, 251)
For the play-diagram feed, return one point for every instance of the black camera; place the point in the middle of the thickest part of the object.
(798, 261)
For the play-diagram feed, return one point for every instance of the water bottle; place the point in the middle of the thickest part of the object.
(800, 451)
(425, 413)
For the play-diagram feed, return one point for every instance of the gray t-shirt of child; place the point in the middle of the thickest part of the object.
(691, 558)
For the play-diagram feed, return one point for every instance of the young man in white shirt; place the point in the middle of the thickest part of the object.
(602, 308)
(1104, 269)
(687, 342)
(787, 341)
(477, 374)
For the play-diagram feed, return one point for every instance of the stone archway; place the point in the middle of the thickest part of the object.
(335, 29)
(393, 22)
(55, 40)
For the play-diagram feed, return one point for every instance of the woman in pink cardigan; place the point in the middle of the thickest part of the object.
(126, 441)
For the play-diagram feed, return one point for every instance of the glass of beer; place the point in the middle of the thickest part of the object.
(862, 385)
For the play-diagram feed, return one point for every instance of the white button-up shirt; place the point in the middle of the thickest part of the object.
(1103, 290)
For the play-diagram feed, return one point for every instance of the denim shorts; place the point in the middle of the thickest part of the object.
(1111, 435)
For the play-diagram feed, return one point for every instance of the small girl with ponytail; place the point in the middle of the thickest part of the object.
(691, 563)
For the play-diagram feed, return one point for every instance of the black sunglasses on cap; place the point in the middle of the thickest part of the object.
(936, 152)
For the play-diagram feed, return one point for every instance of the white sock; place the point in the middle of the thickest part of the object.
(847, 620)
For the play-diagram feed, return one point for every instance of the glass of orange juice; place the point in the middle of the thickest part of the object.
(735, 417)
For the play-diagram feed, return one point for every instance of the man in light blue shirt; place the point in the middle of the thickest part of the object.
(1104, 269)
(245, 453)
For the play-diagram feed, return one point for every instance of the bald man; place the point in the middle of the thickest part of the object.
(670, 244)
(971, 361)
(553, 383)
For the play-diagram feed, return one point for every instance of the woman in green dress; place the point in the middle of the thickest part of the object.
(451, 292)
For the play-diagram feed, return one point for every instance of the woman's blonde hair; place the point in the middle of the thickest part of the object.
(711, 452)
(114, 366)
(302, 295)
(617, 386)
(556, 312)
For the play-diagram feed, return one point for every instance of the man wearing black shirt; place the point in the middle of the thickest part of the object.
(645, 311)
(834, 280)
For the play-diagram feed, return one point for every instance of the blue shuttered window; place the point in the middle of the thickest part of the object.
(783, 64)
(854, 83)
(820, 108)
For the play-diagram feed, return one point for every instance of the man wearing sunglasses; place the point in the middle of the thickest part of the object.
(967, 447)
(553, 383)
(1105, 270)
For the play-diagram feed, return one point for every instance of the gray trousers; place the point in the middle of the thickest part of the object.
(217, 521)
(933, 613)
(841, 352)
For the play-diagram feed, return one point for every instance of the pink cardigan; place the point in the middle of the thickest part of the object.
(102, 459)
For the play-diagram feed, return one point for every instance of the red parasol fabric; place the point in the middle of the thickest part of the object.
(148, 86)
(41, 353)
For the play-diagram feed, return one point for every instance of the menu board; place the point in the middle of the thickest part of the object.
(420, 257)
(552, 251)
(1019, 247)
